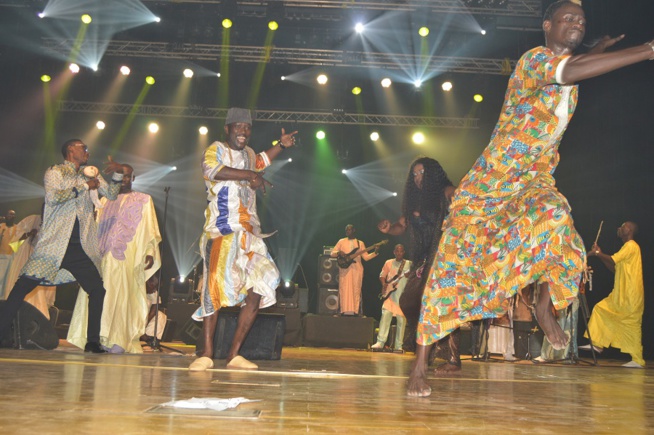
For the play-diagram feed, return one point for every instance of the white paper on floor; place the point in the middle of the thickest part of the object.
(212, 403)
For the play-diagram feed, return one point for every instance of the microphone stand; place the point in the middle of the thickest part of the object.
(154, 342)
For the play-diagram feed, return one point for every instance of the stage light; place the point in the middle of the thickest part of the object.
(417, 83)
(418, 138)
(374, 136)
(153, 127)
(188, 73)
(41, 15)
(483, 32)
(227, 23)
(100, 125)
(157, 19)
(217, 74)
(74, 68)
(322, 79)
(94, 67)
(386, 82)
(173, 168)
(343, 171)
(320, 135)
(203, 130)
(394, 193)
(283, 78)
(272, 25)
(447, 86)
(86, 19)
(478, 98)
(358, 27)
(149, 80)
(45, 78)
(423, 31)
(124, 70)
(356, 90)
(290, 160)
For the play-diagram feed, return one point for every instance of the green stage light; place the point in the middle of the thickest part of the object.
(149, 80)
(423, 31)
(320, 135)
(86, 19)
(45, 78)
(356, 90)
(227, 23)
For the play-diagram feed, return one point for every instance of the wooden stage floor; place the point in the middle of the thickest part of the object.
(314, 390)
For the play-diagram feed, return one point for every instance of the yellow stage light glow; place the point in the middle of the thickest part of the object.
(45, 78)
(149, 80)
(478, 98)
(447, 86)
(272, 25)
(74, 68)
(188, 73)
(100, 125)
(124, 70)
(227, 23)
(203, 130)
(423, 31)
(86, 19)
(418, 138)
(153, 127)
(386, 82)
(320, 135)
(322, 79)
(356, 90)
(374, 136)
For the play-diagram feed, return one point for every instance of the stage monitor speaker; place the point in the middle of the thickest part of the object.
(263, 342)
(293, 330)
(527, 339)
(342, 331)
(32, 330)
(191, 331)
(327, 300)
(327, 271)
(180, 312)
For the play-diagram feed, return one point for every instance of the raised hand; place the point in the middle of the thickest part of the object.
(287, 139)
(111, 166)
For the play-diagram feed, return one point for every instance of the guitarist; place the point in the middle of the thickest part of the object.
(393, 278)
(351, 278)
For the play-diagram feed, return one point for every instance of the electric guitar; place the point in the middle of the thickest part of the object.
(344, 260)
(391, 284)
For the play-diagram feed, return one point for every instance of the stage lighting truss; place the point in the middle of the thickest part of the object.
(271, 115)
(296, 56)
(333, 10)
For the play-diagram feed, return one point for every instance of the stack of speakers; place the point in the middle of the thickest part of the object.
(327, 285)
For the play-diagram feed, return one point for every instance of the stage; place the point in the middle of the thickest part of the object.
(314, 390)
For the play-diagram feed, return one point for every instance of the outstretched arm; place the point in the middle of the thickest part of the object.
(596, 63)
(286, 140)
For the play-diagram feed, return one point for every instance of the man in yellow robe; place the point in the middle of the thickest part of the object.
(129, 239)
(616, 320)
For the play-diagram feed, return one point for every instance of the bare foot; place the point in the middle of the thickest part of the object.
(447, 369)
(417, 385)
(557, 338)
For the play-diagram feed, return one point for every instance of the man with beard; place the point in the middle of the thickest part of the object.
(238, 268)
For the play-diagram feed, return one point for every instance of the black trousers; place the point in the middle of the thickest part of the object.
(86, 274)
